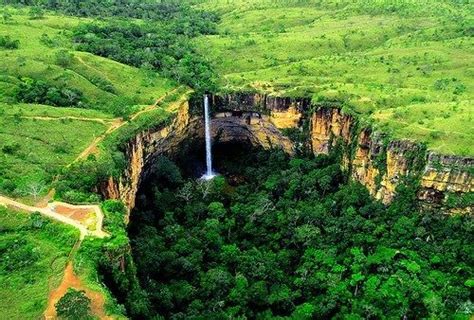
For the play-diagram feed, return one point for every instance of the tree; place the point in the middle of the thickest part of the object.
(6, 16)
(64, 58)
(36, 13)
(74, 305)
(186, 192)
(34, 188)
(9, 43)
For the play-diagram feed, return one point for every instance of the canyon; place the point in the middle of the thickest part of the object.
(371, 158)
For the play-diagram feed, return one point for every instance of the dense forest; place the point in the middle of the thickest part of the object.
(292, 238)
(159, 41)
(83, 83)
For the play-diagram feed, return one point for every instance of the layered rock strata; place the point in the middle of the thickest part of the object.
(258, 119)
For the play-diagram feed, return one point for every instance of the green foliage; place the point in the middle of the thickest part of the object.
(74, 305)
(8, 43)
(34, 251)
(37, 91)
(52, 143)
(460, 201)
(109, 260)
(64, 58)
(36, 12)
(161, 47)
(17, 254)
(78, 183)
(147, 10)
(294, 239)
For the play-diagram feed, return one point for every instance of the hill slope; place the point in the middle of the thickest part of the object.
(41, 133)
(407, 65)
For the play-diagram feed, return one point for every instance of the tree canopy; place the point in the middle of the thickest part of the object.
(295, 240)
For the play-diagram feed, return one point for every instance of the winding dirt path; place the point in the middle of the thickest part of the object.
(93, 147)
(74, 216)
(116, 124)
(71, 280)
(63, 216)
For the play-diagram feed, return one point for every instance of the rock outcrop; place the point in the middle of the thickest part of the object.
(327, 124)
(370, 157)
(140, 150)
(248, 127)
(445, 173)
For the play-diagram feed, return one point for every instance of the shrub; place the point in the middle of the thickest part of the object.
(17, 253)
(7, 42)
(8, 186)
(64, 58)
(37, 91)
(74, 305)
(11, 148)
(36, 13)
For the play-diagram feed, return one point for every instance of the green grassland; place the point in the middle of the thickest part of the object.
(34, 252)
(39, 42)
(36, 141)
(35, 150)
(38, 110)
(385, 60)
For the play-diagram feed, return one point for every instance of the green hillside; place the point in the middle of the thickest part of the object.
(40, 133)
(34, 251)
(89, 91)
(407, 63)
(99, 79)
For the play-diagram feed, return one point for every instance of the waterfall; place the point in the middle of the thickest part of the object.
(207, 124)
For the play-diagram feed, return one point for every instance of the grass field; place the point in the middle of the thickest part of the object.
(407, 62)
(34, 251)
(39, 42)
(36, 141)
(33, 150)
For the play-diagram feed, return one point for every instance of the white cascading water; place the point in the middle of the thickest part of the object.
(207, 124)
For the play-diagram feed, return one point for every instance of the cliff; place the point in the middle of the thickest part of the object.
(140, 151)
(445, 173)
(247, 127)
(369, 156)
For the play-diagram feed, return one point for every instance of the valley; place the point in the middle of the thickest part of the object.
(340, 134)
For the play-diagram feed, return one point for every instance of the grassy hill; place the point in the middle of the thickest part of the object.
(98, 78)
(34, 251)
(404, 65)
(37, 140)
(407, 65)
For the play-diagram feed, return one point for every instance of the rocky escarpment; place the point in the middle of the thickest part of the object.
(381, 165)
(140, 151)
(247, 127)
(444, 173)
(370, 157)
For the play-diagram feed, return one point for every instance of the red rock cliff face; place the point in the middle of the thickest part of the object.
(256, 118)
(381, 168)
(140, 150)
